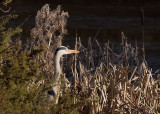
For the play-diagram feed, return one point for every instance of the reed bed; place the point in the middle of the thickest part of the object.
(107, 80)
(114, 82)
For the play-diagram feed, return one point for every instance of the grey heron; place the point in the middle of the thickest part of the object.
(62, 50)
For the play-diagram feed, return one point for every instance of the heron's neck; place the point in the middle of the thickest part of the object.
(57, 67)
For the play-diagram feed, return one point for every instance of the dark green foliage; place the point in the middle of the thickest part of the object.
(18, 73)
(66, 104)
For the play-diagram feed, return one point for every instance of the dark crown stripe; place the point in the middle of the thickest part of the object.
(60, 48)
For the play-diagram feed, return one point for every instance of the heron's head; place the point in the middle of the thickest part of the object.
(62, 50)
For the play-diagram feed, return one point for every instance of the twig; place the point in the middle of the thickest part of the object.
(132, 74)
(24, 21)
(75, 72)
(96, 35)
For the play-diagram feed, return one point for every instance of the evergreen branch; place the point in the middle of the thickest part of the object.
(5, 11)
(4, 16)
(7, 2)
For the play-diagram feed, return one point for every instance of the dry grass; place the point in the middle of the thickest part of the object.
(116, 82)
(110, 81)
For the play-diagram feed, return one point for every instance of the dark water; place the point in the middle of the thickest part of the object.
(112, 19)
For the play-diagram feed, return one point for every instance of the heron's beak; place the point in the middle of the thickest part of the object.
(73, 51)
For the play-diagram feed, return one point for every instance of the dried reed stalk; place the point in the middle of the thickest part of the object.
(75, 72)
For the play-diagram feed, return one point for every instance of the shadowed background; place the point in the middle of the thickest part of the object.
(111, 16)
